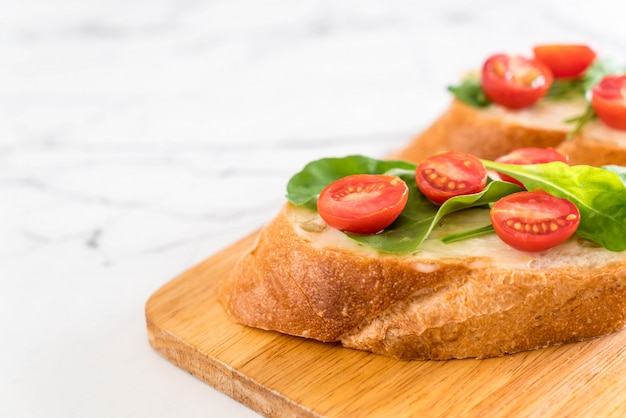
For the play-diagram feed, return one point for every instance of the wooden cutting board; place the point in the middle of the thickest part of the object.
(282, 376)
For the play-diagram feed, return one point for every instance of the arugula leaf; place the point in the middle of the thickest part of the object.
(599, 69)
(566, 89)
(599, 194)
(304, 187)
(470, 92)
(581, 120)
(419, 217)
(596, 71)
(472, 233)
(413, 227)
(619, 170)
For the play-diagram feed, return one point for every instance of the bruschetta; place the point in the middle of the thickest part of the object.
(561, 96)
(436, 278)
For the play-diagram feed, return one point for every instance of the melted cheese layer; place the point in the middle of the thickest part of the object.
(551, 115)
(487, 250)
(546, 114)
(598, 131)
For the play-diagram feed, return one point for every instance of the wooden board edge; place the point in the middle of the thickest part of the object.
(218, 374)
(223, 377)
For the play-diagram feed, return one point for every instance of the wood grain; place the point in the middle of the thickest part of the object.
(279, 376)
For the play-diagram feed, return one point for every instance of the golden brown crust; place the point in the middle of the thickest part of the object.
(286, 284)
(519, 312)
(584, 149)
(476, 131)
(461, 307)
(489, 135)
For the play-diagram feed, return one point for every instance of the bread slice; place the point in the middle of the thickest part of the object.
(494, 131)
(596, 144)
(477, 298)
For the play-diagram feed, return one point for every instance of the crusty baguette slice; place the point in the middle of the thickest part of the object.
(495, 131)
(476, 298)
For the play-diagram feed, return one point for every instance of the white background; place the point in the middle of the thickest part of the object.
(138, 138)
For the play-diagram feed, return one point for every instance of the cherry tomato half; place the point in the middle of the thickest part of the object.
(514, 81)
(363, 203)
(565, 61)
(450, 174)
(608, 99)
(529, 156)
(534, 221)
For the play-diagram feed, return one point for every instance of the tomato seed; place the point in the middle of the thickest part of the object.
(499, 68)
(538, 228)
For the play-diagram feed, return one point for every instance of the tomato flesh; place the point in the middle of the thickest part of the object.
(529, 156)
(363, 203)
(534, 221)
(514, 81)
(608, 99)
(565, 60)
(450, 174)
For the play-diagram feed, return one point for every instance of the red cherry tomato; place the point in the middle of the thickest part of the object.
(363, 203)
(514, 81)
(608, 99)
(565, 61)
(534, 221)
(450, 174)
(529, 156)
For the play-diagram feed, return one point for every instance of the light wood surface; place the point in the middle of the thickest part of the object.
(282, 376)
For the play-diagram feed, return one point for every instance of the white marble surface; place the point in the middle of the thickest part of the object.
(138, 138)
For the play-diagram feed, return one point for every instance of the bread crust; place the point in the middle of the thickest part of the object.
(489, 135)
(495, 313)
(475, 131)
(587, 149)
(286, 284)
(456, 307)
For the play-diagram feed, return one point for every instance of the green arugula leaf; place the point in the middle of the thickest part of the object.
(413, 226)
(599, 194)
(472, 233)
(596, 71)
(581, 120)
(419, 217)
(304, 187)
(470, 92)
(566, 89)
(619, 170)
